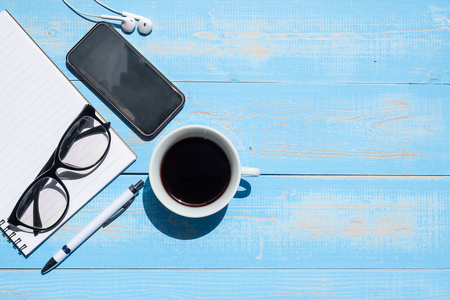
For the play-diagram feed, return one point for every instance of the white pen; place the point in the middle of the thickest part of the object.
(103, 219)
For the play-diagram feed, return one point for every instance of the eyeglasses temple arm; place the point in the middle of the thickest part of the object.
(37, 222)
(35, 199)
(75, 137)
(36, 216)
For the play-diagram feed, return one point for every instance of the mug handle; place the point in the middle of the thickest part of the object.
(246, 171)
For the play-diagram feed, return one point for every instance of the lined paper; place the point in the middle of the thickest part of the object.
(37, 104)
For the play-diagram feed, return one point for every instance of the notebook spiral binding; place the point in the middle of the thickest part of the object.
(11, 235)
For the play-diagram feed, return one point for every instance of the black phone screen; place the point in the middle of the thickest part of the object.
(105, 60)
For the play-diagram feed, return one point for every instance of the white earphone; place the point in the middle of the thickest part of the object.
(128, 19)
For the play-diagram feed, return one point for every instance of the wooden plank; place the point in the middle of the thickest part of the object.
(315, 129)
(273, 222)
(252, 40)
(215, 284)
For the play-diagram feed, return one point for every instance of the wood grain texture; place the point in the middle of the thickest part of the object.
(315, 129)
(297, 41)
(273, 222)
(348, 88)
(225, 284)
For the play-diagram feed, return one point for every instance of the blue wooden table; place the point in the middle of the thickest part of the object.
(345, 108)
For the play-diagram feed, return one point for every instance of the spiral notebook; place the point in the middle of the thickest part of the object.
(37, 104)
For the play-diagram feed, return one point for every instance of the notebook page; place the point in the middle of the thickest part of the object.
(37, 104)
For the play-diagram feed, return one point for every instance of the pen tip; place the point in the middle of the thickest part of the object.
(49, 266)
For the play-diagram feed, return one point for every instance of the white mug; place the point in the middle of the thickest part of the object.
(219, 139)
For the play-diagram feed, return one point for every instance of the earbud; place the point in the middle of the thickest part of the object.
(145, 26)
(128, 23)
(128, 20)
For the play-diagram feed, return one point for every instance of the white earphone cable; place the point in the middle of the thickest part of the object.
(107, 7)
(80, 12)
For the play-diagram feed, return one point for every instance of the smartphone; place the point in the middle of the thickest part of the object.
(125, 79)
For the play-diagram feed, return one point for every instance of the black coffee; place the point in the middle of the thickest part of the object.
(195, 171)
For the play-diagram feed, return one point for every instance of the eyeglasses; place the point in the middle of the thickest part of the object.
(45, 202)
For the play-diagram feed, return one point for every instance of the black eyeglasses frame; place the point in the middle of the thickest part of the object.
(50, 168)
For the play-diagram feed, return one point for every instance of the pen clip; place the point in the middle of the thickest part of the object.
(118, 213)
